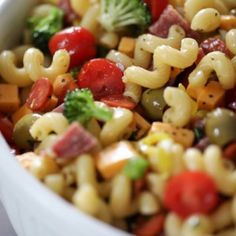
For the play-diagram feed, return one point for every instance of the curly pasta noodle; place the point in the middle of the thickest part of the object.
(10, 72)
(162, 64)
(146, 45)
(230, 40)
(114, 129)
(178, 100)
(214, 61)
(199, 225)
(48, 123)
(192, 7)
(33, 64)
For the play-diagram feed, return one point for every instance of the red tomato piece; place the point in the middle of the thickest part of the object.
(152, 227)
(40, 94)
(102, 77)
(78, 41)
(191, 192)
(119, 101)
(156, 7)
(6, 128)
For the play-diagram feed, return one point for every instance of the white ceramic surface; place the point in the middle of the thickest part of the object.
(33, 209)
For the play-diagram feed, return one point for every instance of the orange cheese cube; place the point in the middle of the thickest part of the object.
(9, 98)
(211, 96)
(193, 92)
(179, 135)
(127, 46)
(22, 111)
(112, 159)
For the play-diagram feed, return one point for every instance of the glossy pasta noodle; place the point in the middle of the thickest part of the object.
(130, 118)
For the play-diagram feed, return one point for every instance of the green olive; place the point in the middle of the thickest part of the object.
(221, 126)
(21, 134)
(153, 103)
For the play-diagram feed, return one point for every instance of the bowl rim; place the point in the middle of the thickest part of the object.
(47, 198)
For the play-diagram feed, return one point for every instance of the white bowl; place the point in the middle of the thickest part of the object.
(32, 208)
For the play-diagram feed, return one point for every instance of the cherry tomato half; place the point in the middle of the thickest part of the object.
(119, 101)
(191, 192)
(40, 94)
(78, 41)
(102, 77)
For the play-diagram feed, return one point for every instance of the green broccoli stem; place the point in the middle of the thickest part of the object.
(102, 114)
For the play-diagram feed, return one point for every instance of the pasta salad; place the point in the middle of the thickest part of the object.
(126, 109)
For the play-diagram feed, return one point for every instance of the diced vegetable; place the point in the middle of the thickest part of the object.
(120, 15)
(43, 28)
(136, 167)
(9, 98)
(190, 193)
(79, 106)
(112, 159)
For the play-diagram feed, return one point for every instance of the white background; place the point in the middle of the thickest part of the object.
(5, 226)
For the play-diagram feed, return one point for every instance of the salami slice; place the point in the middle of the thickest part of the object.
(170, 17)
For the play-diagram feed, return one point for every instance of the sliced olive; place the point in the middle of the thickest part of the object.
(153, 103)
(221, 126)
(21, 134)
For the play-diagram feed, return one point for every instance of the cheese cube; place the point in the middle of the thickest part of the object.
(211, 96)
(112, 159)
(9, 98)
(179, 135)
(127, 46)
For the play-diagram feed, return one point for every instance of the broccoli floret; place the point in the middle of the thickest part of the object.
(43, 28)
(119, 15)
(79, 106)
